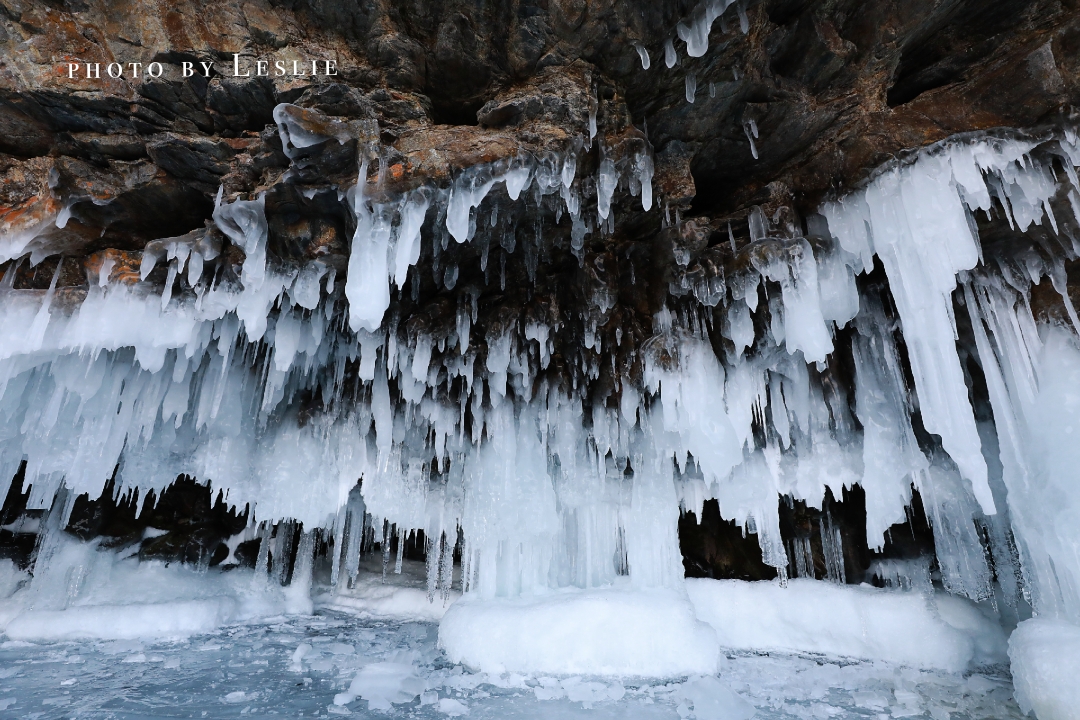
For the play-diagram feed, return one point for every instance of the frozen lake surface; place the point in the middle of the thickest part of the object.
(297, 666)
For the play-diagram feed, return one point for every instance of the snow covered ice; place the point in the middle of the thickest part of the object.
(547, 486)
(335, 664)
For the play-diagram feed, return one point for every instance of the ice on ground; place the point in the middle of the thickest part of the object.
(1045, 658)
(383, 684)
(905, 628)
(134, 620)
(11, 577)
(452, 707)
(188, 678)
(395, 596)
(86, 593)
(709, 699)
(370, 597)
(603, 632)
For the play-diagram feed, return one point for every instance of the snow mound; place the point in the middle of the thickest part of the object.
(906, 628)
(607, 632)
(1045, 658)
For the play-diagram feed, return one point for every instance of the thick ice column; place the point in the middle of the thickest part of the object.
(652, 542)
(244, 222)
(407, 252)
(795, 268)
(509, 519)
(920, 231)
(1032, 387)
(691, 396)
(891, 454)
(368, 284)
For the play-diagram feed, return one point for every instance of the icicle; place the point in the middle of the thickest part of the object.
(750, 128)
(832, 546)
(386, 533)
(400, 551)
(262, 562)
(644, 55)
(643, 165)
(606, 182)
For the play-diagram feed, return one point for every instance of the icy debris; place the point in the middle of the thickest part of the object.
(383, 684)
(452, 707)
(708, 698)
(370, 596)
(778, 684)
(575, 689)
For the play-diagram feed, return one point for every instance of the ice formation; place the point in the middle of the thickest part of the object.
(912, 629)
(694, 30)
(284, 386)
(1045, 664)
(573, 632)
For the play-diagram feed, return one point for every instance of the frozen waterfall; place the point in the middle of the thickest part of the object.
(818, 357)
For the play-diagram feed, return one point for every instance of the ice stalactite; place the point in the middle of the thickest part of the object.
(751, 130)
(646, 63)
(918, 220)
(1031, 375)
(543, 468)
(694, 30)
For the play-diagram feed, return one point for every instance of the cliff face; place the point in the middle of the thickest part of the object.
(647, 189)
(830, 89)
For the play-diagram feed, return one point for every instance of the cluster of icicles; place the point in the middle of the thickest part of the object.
(694, 30)
(545, 488)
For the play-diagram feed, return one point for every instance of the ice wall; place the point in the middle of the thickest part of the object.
(919, 221)
(286, 385)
